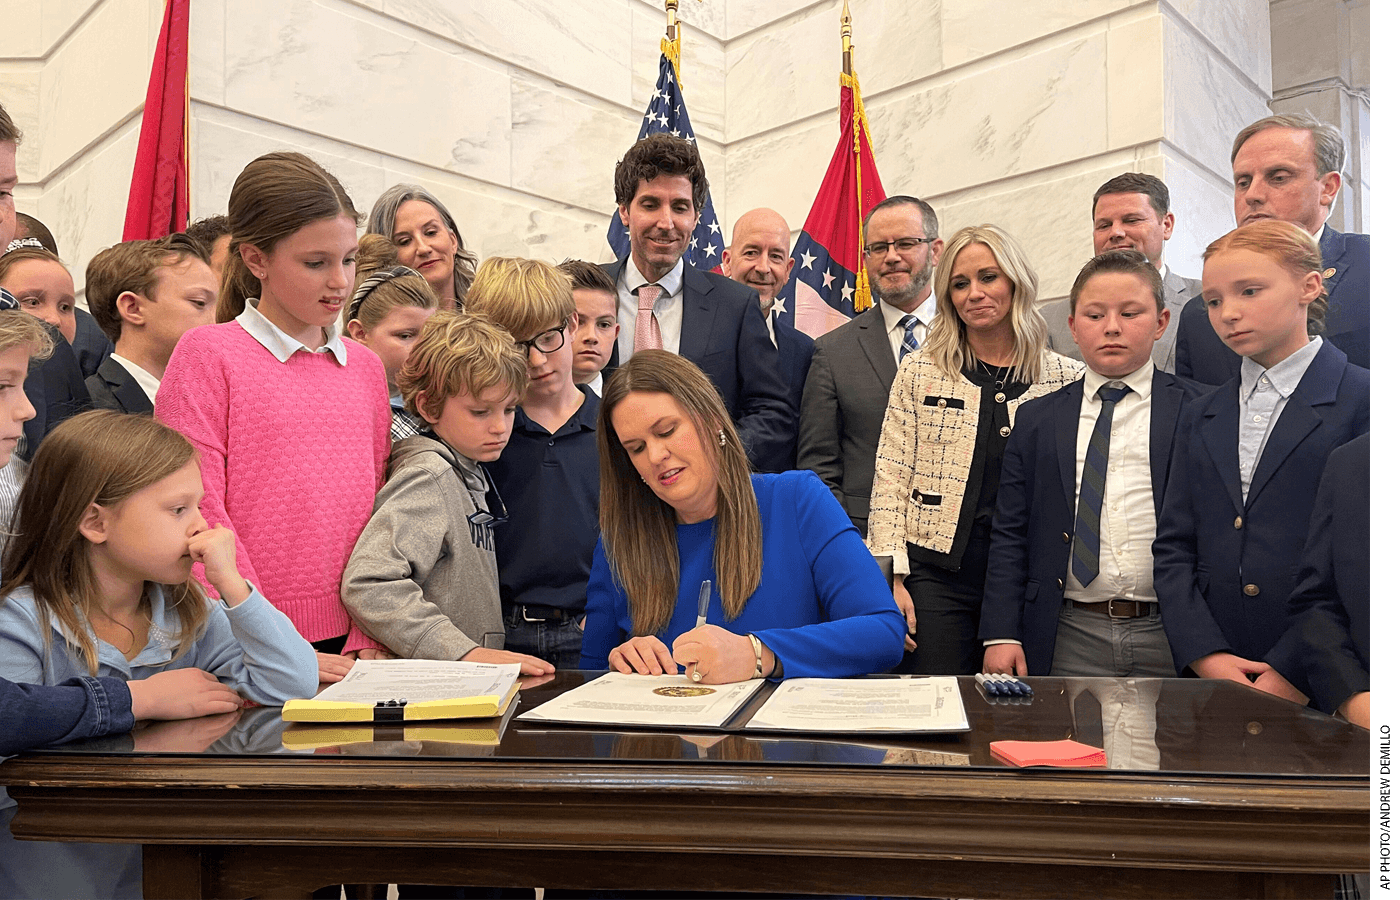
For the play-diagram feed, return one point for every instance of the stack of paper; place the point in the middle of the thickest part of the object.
(408, 690)
(1068, 754)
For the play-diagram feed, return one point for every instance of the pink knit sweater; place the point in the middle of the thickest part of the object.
(291, 454)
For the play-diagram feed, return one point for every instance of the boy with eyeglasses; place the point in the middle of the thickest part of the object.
(421, 581)
(548, 473)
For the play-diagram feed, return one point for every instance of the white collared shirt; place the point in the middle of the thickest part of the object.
(667, 309)
(1263, 395)
(148, 382)
(924, 312)
(1128, 519)
(278, 342)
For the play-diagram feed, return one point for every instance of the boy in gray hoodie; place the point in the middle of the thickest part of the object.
(422, 579)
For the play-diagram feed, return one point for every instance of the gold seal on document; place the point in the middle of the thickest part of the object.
(683, 691)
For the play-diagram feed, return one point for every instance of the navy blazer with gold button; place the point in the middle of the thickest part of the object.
(1224, 567)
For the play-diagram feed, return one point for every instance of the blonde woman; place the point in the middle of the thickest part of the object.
(951, 409)
(794, 591)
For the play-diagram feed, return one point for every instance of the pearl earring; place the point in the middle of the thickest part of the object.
(723, 441)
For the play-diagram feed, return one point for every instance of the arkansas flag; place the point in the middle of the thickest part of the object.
(666, 112)
(159, 202)
(829, 283)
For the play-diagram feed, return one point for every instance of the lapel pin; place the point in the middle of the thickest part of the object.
(1328, 272)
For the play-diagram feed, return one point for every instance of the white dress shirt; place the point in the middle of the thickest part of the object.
(1128, 519)
(667, 308)
(148, 382)
(924, 312)
(278, 342)
(1263, 395)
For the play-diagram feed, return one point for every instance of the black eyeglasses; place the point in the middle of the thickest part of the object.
(545, 341)
(903, 245)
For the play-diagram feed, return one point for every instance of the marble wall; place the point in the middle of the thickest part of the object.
(514, 112)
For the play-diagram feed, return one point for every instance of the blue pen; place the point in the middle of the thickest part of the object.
(990, 685)
(1017, 686)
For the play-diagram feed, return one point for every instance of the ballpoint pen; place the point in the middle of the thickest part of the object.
(704, 602)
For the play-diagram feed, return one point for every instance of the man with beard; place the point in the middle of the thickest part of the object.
(848, 386)
(758, 257)
(665, 303)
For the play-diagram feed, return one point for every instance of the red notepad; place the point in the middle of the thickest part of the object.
(1070, 754)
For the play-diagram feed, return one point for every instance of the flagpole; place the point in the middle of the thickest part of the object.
(863, 299)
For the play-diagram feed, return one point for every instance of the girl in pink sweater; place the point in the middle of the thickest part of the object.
(291, 422)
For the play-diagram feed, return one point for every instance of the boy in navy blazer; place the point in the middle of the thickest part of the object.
(1247, 469)
(1069, 586)
(145, 295)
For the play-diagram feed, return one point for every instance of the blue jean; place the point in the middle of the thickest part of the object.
(557, 641)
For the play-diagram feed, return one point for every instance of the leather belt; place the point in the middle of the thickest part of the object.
(1119, 609)
(543, 613)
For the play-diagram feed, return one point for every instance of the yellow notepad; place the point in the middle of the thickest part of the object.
(485, 733)
(395, 691)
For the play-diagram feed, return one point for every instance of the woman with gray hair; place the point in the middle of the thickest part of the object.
(427, 239)
(950, 412)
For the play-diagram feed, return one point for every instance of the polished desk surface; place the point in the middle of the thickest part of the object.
(1205, 780)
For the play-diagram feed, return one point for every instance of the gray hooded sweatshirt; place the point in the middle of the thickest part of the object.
(422, 579)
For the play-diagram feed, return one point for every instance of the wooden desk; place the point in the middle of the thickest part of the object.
(558, 807)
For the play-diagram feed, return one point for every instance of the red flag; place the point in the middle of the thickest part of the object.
(829, 284)
(159, 202)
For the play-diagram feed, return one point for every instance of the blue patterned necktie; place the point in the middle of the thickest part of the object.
(1084, 561)
(909, 344)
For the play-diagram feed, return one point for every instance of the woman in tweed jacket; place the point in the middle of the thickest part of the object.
(951, 409)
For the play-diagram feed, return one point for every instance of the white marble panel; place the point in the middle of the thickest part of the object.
(1239, 29)
(1047, 213)
(1029, 113)
(86, 89)
(207, 51)
(564, 145)
(1204, 208)
(342, 77)
(702, 71)
(85, 206)
(782, 170)
(222, 143)
(583, 45)
(706, 16)
(973, 29)
(792, 70)
(1207, 102)
(19, 93)
(1135, 82)
(1307, 38)
(1359, 42)
(62, 15)
(743, 16)
(23, 34)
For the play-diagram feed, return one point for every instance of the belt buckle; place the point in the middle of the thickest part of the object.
(1113, 615)
(525, 615)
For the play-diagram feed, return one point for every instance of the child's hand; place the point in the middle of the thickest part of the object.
(214, 547)
(181, 694)
(529, 665)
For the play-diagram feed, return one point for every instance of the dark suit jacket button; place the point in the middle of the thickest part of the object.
(1239, 523)
(1005, 430)
(1000, 398)
(1065, 537)
(1251, 590)
(1060, 582)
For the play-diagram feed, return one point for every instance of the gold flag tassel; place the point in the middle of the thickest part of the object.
(863, 298)
(671, 43)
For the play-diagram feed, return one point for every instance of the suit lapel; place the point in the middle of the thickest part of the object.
(697, 313)
(1221, 431)
(124, 387)
(615, 270)
(876, 344)
(1299, 418)
(1332, 247)
(1166, 407)
(1067, 405)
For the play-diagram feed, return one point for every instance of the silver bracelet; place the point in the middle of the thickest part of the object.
(757, 657)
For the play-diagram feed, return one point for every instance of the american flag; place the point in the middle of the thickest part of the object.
(666, 113)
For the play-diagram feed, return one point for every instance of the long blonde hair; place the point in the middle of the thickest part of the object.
(100, 457)
(947, 346)
(639, 529)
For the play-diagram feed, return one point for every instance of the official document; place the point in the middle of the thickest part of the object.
(833, 705)
(419, 680)
(671, 701)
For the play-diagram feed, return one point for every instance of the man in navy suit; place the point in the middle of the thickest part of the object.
(665, 303)
(1069, 587)
(758, 256)
(1288, 167)
(1326, 651)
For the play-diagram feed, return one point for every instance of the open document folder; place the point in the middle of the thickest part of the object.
(817, 705)
(393, 691)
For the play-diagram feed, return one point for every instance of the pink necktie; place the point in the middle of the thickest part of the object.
(648, 333)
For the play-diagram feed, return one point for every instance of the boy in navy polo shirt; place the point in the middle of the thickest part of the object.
(548, 473)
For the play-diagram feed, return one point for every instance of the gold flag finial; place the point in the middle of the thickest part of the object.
(671, 45)
(846, 45)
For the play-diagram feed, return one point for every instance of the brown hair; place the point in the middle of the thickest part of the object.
(587, 276)
(208, 230)
(1286, 244)
(660, 154)
(408, 289)
(24, 254)
(1152, 187)
(131, 266)
(1123, 261)
(274, 196)
(459, 352)
(100, 457)
(523, 296)
(8, 130)
(639, 529)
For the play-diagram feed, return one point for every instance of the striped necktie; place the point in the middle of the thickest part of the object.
(910, 343)
(1084, 561)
